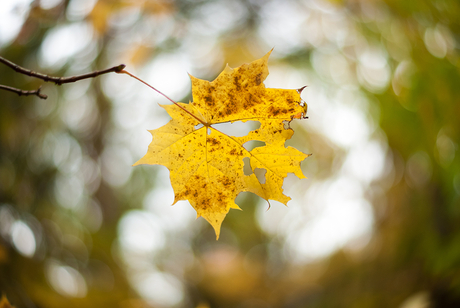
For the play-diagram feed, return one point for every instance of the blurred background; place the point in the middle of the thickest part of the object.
(376, 224)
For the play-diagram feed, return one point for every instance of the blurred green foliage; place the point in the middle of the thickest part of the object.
(62, 210)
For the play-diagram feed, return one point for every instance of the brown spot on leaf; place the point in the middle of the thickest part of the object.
(231, 98)
(225, 181)
(213, 141)
(220, 197)
(236, 82)
(259, 79)
(273, 111)
(209, 101)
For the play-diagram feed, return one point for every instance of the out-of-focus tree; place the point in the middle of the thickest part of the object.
(377, 224)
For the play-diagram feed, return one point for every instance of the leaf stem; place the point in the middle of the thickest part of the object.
(191, 114)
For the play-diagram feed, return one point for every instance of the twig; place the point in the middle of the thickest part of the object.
(60, 80)
(56, 80)
(25, 93)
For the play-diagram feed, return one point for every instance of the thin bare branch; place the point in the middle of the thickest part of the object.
(56, 80)
(25, 93)
(60, 80)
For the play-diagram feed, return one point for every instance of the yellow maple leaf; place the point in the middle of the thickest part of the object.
(206, 165)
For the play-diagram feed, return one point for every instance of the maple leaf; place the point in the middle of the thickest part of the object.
(206, 165)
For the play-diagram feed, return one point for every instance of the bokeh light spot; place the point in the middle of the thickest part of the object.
(140, 232)
(66, 280)
(161, 288)
(23, 238)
